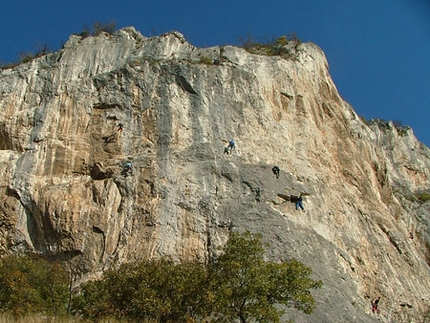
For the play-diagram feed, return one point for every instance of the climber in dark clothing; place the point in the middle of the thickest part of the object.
(120, 127)
(375, 303)
(276, 171)
(299, 203)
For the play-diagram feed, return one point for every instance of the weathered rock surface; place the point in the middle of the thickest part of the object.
(64, 191)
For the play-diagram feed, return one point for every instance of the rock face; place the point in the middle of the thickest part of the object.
(64, 190)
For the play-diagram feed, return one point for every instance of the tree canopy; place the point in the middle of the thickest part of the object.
(32, 284)
(247, 287)
(149, 290)
(238, 285)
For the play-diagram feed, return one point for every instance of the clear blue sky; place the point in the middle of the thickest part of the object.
(378, 50)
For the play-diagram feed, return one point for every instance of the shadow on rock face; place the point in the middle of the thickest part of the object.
(97, 172)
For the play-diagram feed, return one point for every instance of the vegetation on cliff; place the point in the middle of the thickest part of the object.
(286, 46)
(42, 49)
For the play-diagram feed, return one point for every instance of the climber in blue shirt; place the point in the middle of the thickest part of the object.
(299, 203)
(231, 146)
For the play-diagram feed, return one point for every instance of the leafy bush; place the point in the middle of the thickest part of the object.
(205, 60)
(386, 124)
(237, 285)
(40, 51)
(284, 46)
(423, 197)
(31, 284)
(98, 28)
(157, 290)
(26, 57)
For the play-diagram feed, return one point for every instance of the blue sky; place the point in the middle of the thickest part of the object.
(378, 50)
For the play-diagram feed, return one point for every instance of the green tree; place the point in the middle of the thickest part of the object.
(239, 284)
(91, 302)
(31, 284)
(246, 287)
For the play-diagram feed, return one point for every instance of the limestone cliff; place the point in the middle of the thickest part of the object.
(64, 190)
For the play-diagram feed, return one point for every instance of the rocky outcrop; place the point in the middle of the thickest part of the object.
(65, 191)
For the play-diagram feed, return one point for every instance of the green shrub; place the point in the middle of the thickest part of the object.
(98, 28)
(31, 284)
(205, 60)
(410, 197)
(26, 57)
(41, 50)
(148, 290)
(239, 284)
(107, 27)
(284, 46)
(423, 197)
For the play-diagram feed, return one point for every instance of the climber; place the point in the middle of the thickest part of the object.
(258, 194)
(299, 203)
(375, 303)
(276, 171)
(127, 168)
(120, 127)
(231, 146)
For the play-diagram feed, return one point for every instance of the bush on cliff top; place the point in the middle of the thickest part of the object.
(286, 46)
